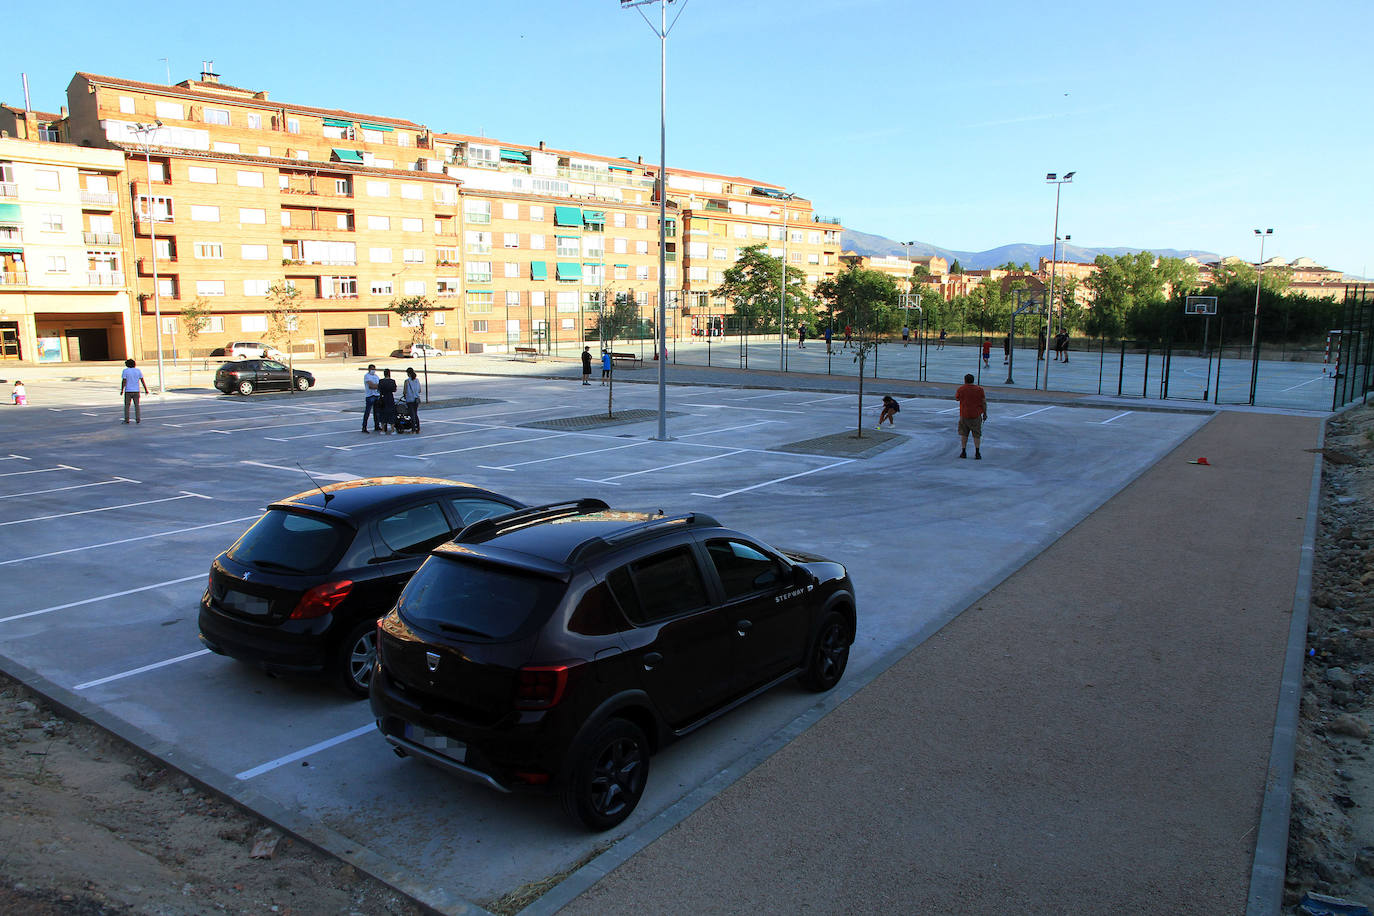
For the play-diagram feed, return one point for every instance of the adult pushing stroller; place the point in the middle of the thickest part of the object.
(405, 420)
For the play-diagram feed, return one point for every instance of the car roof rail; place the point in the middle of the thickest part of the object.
(485, 528)
(641, 531)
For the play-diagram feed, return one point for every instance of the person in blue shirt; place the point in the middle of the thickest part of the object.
(605, 366)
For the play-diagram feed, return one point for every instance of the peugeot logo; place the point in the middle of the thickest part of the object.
(432, 660)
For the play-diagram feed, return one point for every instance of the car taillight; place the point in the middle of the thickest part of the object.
(321, 599)
(540, 687)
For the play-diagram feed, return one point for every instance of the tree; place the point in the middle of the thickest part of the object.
(195, 317)
(413, 312)
(868, 301)
(753, 286)
(956, 267)
(622, 315)
(283, 316)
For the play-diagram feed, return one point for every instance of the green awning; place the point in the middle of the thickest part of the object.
(593, 217)
(567, 216)
(337, 122)
(515, 155)
(366, 126)
(567, 236)
(12, 249)
(9, 213)
(569, 271)
(621, 168)
(347, 155)
(539, 270)
(620, 265)
(471, 291)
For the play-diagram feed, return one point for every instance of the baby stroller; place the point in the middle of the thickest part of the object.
(405, 422)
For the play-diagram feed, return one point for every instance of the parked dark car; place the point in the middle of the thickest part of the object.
(559, 647)
(300, 592)
(248, 375)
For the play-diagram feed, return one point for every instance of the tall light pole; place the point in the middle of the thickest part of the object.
(782, 295)
(1052, 178)
(145, 134)
(661, 30)
(1254, 332)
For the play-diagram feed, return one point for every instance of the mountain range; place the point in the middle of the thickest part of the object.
(1022, 253)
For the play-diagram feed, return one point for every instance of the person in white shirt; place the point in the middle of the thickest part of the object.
(370, 382)
(129, 380)
(411, 395)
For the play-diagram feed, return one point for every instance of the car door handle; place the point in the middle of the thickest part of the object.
(651, 660)
(743, 627)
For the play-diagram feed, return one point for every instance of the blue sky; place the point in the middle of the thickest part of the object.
(1189, 124)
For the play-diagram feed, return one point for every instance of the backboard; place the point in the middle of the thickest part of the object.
(1200, 305)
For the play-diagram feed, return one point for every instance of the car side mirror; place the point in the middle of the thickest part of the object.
(800, 575)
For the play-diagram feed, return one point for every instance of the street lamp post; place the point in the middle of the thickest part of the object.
(782, 296)
(1052, 178)
(145, 133)
(1254, 332)
(661, 31)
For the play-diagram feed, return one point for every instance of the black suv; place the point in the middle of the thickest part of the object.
(248, 375)
(561, 646)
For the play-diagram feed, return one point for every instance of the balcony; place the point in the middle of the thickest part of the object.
(104, 278)
(14, 278)
(104, 200)
(828, 220)
(101, 238)
(164, 263)
(9, 189)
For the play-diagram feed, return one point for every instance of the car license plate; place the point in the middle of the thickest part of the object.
(246, 604)
(449, 747)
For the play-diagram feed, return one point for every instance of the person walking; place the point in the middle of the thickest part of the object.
(1040, 345)
(605, 366)
(370, 382)
(1061, 346)
(829, 333)
(410, 393)
(944, 335)
(386, 401)
(586, 365)
(890, 409)
(973, 410)
(1006, 349)
(906, 334)
(987, 352)
(129, 380)
(848, 337)
(801, 337)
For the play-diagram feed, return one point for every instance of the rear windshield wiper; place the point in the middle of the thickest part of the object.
(459, 628)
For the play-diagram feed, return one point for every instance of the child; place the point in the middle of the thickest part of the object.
(890, 410)
(20, 396)
(987, 351)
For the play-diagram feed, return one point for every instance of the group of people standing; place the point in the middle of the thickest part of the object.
(379, 399)
(606, 358)
(1061, 345)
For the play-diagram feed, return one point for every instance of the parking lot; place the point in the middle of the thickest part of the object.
(107, 531)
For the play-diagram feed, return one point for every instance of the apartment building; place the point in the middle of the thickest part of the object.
(63, 294)
(229, 192)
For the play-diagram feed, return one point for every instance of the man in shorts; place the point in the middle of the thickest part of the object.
(973, 410)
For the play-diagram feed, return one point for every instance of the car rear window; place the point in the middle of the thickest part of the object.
(292, 542)
(475, 599)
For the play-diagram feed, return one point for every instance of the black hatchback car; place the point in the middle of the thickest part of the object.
(248, 375)
(300, 592)
(561, 646)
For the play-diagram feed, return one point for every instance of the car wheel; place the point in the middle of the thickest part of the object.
(302, 384)
(356, 657)
(829, 654)
(609, 770)
(245, 387)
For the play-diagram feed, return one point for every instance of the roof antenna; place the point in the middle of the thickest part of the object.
(327, 496)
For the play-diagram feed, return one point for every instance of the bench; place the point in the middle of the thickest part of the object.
(627, 360)
(529, 353)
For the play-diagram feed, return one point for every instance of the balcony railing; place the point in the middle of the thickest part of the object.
(14, 278)
(104, 199)
(829, 220)
(105, 278)
(101, 238)
(9, 189)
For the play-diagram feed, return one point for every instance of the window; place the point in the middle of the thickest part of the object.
(479, 327)
(167, 286)
(446, 255)
(477, 242)
(696, 275)
(641, 247)
(52, 222)
(618, 220)
(415, 530)
(381, 287)
(759, 232)
(376, 320)
(379, 255)
(378, 189)
(512, 268)
(620, 246)
(212, 251)
(126, 104)
(253, 252)
(264, 150)
(210, 288)
(641, 273)
(445, 195)
(440, 319)
(373, 136)
(214, 324)
(641, 221)
(412, 224)
(477, 211)
(510, 211)
(342, 188)
(57, 264)
(170, 110)
(569, 247)
(512, 298)
(252, 215)
(413, 255)
(379, 222)
(338, 131)
(512, 239)
(216, 116)
(255, 287)
(250, 179)
(480, 303)
(255, 121)
(743, 569)
(46, 180)
(622, 272)
(415, 287)
(664, 585)
(253, 323)
(697, 249)
(741, 231)
(293, 125)
(204, 213)
(403, 139)
(412, 191)
(537, 214)
(537, 242)
(447, 286)
(567, 301)
(537, 298)
(479, 272)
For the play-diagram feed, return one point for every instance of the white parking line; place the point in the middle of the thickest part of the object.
(1033, 413)
(1318, 378)
(1117, 417)
(833, 397)
(13, 457)
(318, 475)
(305, 752)
(755, 397)
(755, 409)
(472, 448)
(595, 451)
(141, 537)
(186, 494)
(60, 467)
(131, 591)
(774, 480)
(153, 667)
(726, 429)
(77, 486)
(662, 467)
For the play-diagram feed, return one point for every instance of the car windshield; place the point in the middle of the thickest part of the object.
(474, 599)
(292, 542)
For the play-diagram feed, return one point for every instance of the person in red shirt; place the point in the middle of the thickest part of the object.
(973, 410)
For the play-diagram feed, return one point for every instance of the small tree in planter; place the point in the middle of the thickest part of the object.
(414, 313)
(283, 321)
(195, 317)
(866, 300)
